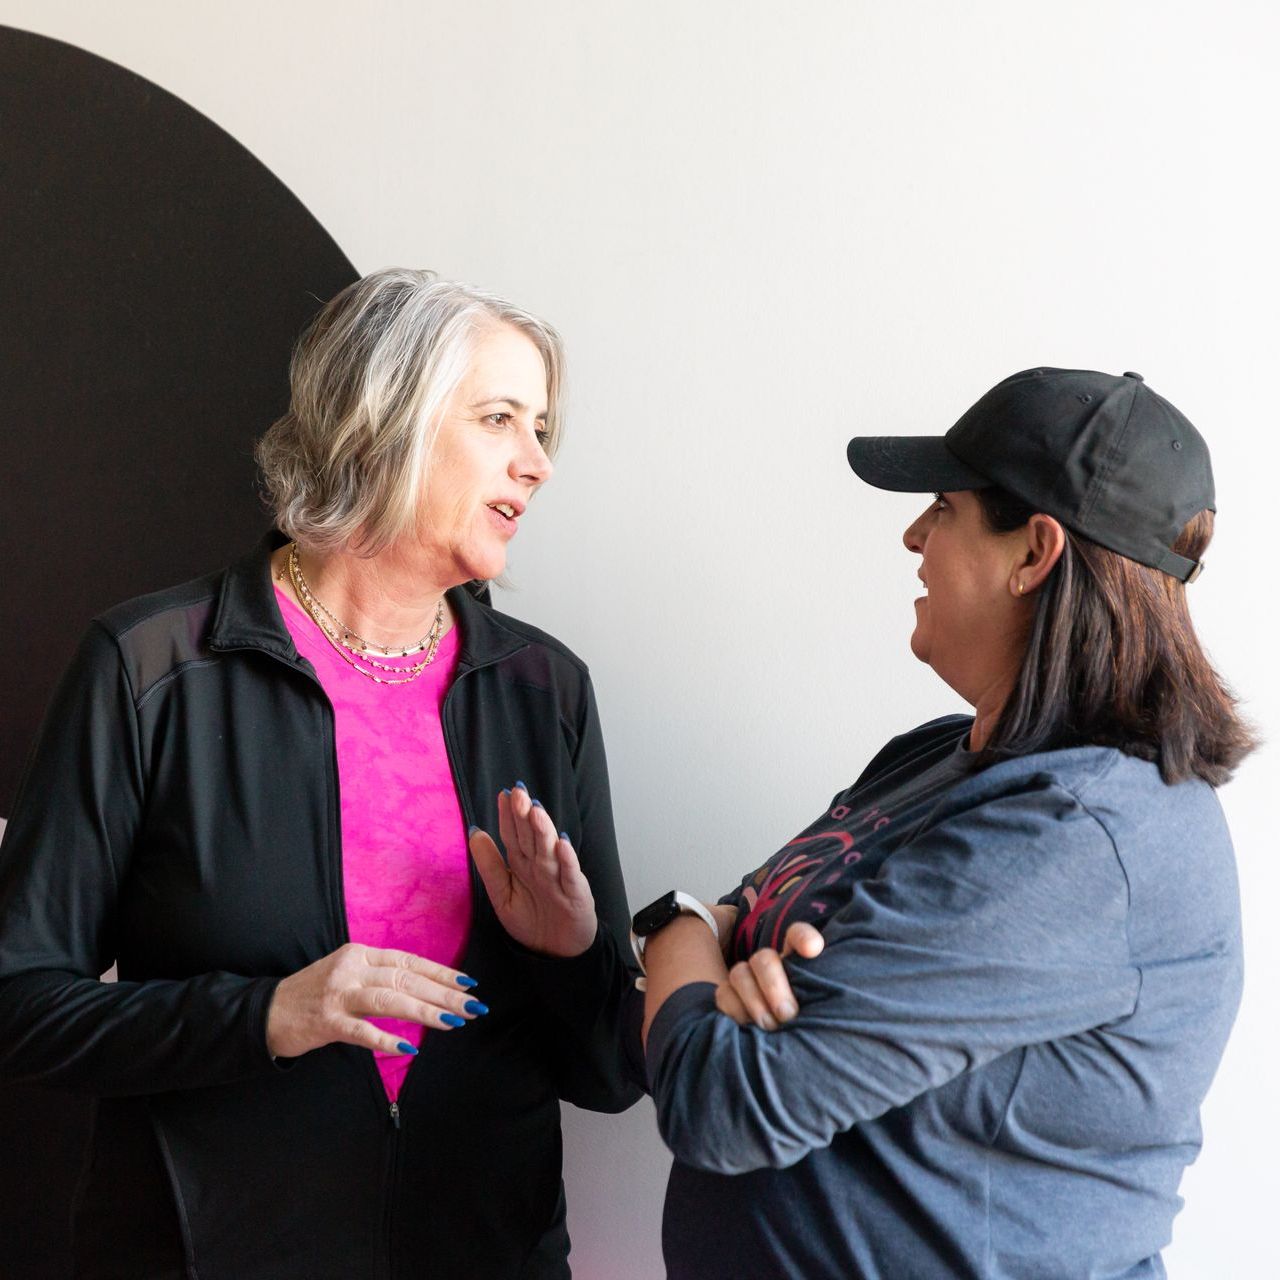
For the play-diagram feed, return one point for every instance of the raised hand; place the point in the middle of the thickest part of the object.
(329, 1001)
(758, 990)
(539, 892)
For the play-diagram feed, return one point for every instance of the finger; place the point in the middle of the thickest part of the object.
(803, 940)
(542, 834)
(521, 808)
(728, 1002)
(359, 1032)
(573, 884)
(422, 991)
(495, 875)
(384, 1002)
(774, 985)
(507, 825)
(389, 958)
(748, 991)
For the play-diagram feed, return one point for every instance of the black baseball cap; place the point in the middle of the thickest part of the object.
(1105, 455)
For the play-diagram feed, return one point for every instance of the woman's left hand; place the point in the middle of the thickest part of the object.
(539, 892)
(758, 990)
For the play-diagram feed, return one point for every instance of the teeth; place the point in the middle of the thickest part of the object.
(506, 509)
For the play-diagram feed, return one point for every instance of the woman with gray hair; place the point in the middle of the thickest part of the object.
(329, 1053)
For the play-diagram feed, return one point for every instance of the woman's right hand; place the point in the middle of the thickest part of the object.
(758, 990)
(330, 1001)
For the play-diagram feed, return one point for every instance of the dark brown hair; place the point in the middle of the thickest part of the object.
(1112, 660)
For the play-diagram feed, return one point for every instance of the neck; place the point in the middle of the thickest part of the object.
(986, 712)
(383, 597)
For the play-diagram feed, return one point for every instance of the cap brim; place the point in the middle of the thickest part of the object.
(911, 464)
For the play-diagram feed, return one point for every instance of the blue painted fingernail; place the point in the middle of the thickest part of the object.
(564, 835)
(537, 804)
(463, 981)
(405, 1047)
(471, 830)
(474, 1006)
(521, 785)
(452, 1020)
(506, 791)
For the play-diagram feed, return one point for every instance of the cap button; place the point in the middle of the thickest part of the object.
(1137, 377)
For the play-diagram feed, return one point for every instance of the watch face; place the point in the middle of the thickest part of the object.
(658, 913)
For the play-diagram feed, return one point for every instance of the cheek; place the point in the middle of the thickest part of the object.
(445, 514)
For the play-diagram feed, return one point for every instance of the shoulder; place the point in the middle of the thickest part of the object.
(554, 651)
(920, 745)
(162, 630)
(1104, 781)
(1089, 799)
(166, 608)
(517, 655)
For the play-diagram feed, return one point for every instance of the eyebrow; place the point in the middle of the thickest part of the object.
(518, 405)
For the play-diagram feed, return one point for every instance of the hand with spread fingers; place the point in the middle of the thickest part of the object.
(539, 891)
(758, 990)
(331, 1001)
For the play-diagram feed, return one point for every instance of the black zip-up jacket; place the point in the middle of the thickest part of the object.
(180, 817)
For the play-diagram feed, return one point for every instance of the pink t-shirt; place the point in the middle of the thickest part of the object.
(405, 869)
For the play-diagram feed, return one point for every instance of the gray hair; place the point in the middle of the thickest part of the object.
(346, 467)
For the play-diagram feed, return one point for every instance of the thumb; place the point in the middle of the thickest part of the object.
(493, 870)
(802, 940)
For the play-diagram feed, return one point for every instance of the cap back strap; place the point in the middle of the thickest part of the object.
(1179, 566)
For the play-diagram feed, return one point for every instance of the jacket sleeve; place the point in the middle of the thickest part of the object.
(1002, 926)
(592, 996)
(67, 850)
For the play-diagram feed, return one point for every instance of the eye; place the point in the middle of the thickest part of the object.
(498, 419)
(939, 502)
(544, 436)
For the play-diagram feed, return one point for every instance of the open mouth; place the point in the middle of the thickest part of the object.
(506, 517)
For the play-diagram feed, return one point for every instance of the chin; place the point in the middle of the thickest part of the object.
(484, 568)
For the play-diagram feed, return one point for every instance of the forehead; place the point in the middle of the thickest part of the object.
(506, 364)
(962, 499)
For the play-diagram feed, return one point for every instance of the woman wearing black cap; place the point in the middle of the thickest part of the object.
(1014, 940)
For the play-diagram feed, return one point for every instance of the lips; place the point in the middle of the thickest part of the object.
(505, 516)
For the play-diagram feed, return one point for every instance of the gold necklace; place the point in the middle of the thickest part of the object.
(338, 639)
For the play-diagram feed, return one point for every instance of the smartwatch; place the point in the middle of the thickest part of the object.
(660, 913)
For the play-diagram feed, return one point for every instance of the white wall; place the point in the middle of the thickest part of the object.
(764, 228)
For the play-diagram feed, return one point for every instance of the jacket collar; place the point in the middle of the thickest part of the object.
(247, 616)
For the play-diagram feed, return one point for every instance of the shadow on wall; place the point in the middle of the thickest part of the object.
(157, 276)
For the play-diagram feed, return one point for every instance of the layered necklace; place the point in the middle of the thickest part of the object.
(353, 648)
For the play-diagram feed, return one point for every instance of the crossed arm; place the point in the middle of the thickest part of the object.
(1003, 925)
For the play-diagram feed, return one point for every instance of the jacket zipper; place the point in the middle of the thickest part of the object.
(344, 929)
(389, 1181)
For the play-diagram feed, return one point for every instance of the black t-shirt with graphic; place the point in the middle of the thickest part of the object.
(815, 874)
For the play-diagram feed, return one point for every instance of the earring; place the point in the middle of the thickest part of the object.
(1022, 587)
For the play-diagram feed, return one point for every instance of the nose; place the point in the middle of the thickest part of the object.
(914, 535)
(531, 464)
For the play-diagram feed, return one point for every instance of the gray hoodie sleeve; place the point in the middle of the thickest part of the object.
(1002, 924)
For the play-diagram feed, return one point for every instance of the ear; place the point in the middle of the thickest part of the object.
(1045, 541)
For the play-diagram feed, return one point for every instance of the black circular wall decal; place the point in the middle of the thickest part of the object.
(155, 275)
